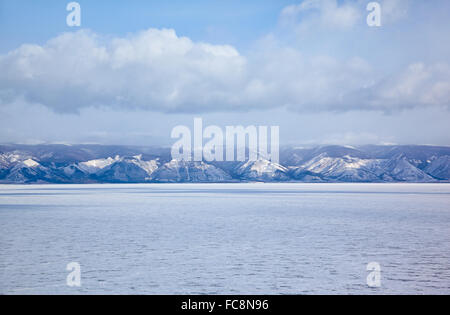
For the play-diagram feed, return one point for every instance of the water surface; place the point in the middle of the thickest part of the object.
(225, 238)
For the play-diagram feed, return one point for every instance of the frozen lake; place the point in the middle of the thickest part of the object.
(225, 238)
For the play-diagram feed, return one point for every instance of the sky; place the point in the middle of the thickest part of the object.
(136, 69)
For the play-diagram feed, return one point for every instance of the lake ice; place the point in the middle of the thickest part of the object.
(225, 238)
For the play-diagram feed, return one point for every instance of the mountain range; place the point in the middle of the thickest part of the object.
(82, 164)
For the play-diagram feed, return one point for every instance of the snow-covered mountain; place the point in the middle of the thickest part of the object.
(126, 170)
(263, 171)
(402, 170)
(339, 169)
(113, 170)
(439, 167)
(26, 170)
(122, 164)
(182, 172)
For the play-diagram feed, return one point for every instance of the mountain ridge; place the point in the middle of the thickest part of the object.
(79, 164)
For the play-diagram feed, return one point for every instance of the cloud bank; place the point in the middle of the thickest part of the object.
(344, 14)
(157, 70)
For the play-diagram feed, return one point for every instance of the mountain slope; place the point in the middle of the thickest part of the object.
(189, 172)
(262, 170)
(345, 169)
(400, 169)
(440, 168)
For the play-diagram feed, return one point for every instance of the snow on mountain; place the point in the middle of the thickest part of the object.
(298, 156)
(117, 169)
(74, 174)
(184, 172)
(92, 167)
(116, 164)
(262, 170)
(343, 169)
(16, 167)
(400, 169)
(148, 166)
(30, 171)
(9, 159)
(5, 163)
(126, 170)
(123, 172)
(31, 163)
(440, 168)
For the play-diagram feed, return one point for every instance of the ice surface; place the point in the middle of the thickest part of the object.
(225, 238)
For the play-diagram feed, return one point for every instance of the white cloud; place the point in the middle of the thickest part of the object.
(327, 14)
(160, 71)
(333, 15)
(418, 85)
(154, 69)
(394, 10)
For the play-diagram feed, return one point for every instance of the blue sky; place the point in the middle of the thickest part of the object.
(135, 69)
(217, 21)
